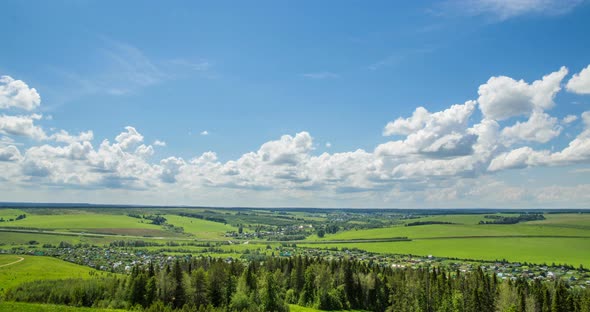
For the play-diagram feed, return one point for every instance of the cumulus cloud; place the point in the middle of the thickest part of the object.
(9, 153)
(170, 169)
(438, 134)
(540, 127)
(503, 97)
(577, 151)
(427, 156)
(406, 126)
(204, 133)
(22, 126)
(580, 83)
(64, 137)
(129, 139)
(17, 94)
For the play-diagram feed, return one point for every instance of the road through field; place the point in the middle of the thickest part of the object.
(11, 263)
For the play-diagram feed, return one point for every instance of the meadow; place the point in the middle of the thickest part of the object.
(561, 239)
(202, 229)
(36, 307)
(34, 268)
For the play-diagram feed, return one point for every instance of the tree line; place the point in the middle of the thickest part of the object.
(512, 220)
(210, 284)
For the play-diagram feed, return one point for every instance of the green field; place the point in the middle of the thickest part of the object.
(203, 229)
(7, 214)
(35, 307)
(85, 221)
(555, 225)
(534, 250)
(561, 238)
(34, 268)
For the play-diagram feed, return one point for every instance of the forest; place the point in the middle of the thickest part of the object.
(213, 284)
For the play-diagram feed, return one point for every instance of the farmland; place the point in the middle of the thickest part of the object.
(94, 242)
(559, 238)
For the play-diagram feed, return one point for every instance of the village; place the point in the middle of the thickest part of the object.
(122, 259)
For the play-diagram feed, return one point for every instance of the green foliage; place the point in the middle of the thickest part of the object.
(207, 284)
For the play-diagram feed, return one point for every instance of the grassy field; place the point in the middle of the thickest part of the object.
(466, 226)
(81, 221)
(34, 268)
(7, 214)
(535, 250)
(561, 238)
(7, 259)
(84, 221)
(35, 307)
(203, 229)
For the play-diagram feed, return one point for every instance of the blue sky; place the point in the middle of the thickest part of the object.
(297, 103)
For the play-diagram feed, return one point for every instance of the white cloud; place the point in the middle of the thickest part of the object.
(170, 169)
(129, 139)
(443, 155)
(287, 150)
(64, 137)
(321, 75)
(569, 119)
(438, 134)
(577, 151)
(406, 126)
(201, 65)
(328, 144)
(503, 97)
(17, 94)
(580, 83)
(9, 153)
(23, 126)
(204, 133)
(144, 151)
(505, 9)
(540, 127)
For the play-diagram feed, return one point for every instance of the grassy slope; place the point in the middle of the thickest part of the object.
(35, 307)
(5, 259)
(37, 268)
